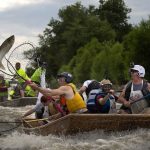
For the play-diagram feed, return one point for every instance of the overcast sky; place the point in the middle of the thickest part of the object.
(26, 19)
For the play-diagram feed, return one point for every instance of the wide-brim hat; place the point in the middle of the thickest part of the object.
(105, 81)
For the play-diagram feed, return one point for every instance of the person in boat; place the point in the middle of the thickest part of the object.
(102, 100)
(4, 84)
(67, 91)
(135, 89)
(88, 86)
(21, 76)
(15, 89)
(44, 109)
(36, 76)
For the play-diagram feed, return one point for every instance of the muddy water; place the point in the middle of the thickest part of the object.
(95, 140)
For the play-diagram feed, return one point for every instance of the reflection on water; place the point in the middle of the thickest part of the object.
(95, 140)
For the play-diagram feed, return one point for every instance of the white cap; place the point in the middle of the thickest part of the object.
(140, 69)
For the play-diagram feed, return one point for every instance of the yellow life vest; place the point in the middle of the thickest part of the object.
(29, 91)
(36, 77)
(76, 103)
(73, 86)
(22, 73)
(11, 92)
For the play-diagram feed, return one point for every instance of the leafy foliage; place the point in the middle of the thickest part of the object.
(116, 13)
(137, 45)
(94, 43)
(76, 27)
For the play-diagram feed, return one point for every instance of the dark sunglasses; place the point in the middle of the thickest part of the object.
(107, 86)
(133, 71)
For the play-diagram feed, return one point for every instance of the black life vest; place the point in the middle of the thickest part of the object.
(128, 89)
(93, 85)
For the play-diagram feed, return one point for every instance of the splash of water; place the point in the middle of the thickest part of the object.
(95, 140)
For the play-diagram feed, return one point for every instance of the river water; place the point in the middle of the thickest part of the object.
(95, 140)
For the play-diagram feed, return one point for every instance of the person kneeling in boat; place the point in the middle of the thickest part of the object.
(102, 100)
(74, 102)
(44, 109)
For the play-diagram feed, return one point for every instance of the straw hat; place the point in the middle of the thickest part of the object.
(105, 81)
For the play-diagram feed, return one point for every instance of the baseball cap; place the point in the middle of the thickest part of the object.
(140, 69)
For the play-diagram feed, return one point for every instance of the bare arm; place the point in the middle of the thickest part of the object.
(148, 87)
(82, 89)
(29, 113)
(102, 101)
(122, 100)
(50, 92)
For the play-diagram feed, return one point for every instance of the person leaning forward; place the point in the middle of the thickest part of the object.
(134, 90)
(74, 101)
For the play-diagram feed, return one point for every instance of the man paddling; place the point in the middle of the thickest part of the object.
(134, 90)
(74, 101)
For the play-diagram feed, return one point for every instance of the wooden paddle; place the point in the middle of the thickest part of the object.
(34, 120)
(29, 124)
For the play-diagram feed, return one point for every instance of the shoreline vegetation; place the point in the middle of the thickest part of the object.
(94, 42)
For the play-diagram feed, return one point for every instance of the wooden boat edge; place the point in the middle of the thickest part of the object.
(72, 124)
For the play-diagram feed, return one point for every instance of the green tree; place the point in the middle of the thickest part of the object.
(76, 26)
(80, 65)
(137, 45)
(116, 13)
(109, 63)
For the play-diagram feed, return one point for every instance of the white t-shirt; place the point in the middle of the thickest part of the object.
(43, 85)
(87, 82)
